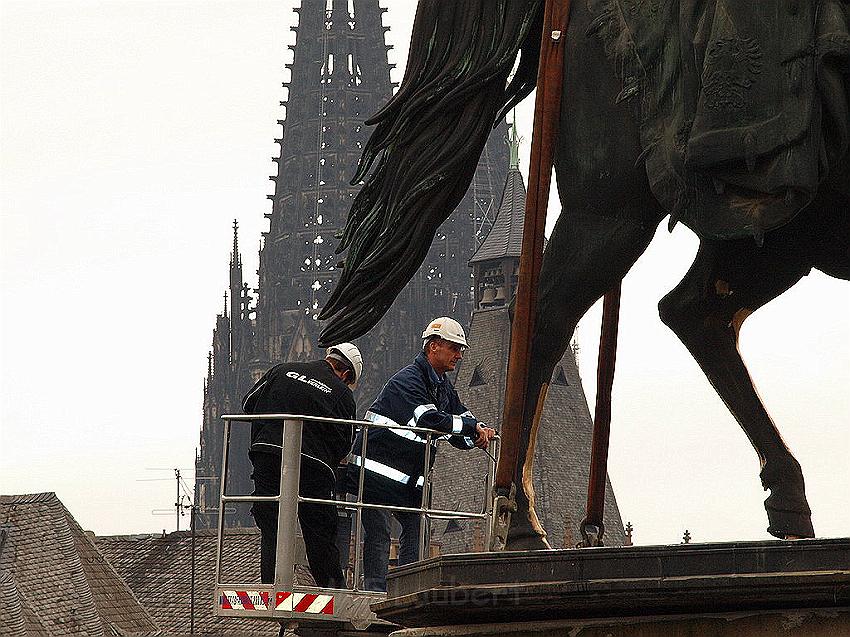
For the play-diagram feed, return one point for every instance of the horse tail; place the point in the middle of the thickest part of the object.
(425, 147)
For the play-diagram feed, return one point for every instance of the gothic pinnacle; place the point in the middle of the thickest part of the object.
(234, 256)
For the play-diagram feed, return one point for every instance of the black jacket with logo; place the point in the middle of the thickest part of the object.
(310, 389)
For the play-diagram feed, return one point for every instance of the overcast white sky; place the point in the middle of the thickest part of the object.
(133, 133)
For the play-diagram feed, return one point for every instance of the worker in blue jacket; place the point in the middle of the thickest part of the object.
(419, 395)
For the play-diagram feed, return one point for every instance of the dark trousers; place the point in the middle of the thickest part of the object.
(318, 521)
(376, 544)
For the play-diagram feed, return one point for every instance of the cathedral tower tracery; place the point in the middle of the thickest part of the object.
(340, 76)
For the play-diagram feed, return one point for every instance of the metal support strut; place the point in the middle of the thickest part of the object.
(547, 109)
(290, 475)
(592, 527)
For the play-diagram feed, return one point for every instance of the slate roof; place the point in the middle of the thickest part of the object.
(505, 238)
(562, 454)
(53, 580)
(158, 569)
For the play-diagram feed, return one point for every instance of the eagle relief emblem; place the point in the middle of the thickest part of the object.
(731, 68)
(643, 8)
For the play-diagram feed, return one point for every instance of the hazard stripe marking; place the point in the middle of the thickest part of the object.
(244, 600)
(323, 604)
(283, 601)
(301, 605)
(233, 600)
(304, 603)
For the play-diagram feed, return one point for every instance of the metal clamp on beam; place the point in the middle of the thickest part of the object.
(503, 507)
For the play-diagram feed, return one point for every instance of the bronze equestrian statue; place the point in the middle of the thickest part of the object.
(732, 118)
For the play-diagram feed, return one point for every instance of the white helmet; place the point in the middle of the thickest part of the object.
(446, 328)
(350, 355)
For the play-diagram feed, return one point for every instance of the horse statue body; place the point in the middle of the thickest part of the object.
(641, 137)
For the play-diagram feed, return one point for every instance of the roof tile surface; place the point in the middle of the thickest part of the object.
(54, 582)
(158, 568)
(505, 238)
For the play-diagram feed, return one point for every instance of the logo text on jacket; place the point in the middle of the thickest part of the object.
(309, 381)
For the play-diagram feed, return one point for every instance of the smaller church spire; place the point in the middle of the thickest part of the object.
(224, 314)
(235, 257)
(505, 237)
(496, 261)
(514, 145)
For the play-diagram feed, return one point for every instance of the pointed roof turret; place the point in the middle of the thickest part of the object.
(505, 239)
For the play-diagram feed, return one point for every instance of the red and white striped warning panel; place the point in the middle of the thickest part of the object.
(304, 603)
(244, 600)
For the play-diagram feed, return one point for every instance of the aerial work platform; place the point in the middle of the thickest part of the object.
(288, 600)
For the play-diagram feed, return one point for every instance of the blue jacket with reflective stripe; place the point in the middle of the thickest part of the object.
(395, 458)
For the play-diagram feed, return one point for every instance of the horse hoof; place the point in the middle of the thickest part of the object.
(788, 512)
(788, 524)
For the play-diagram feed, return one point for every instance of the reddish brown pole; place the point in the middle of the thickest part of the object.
(550, 79)
(593, 528)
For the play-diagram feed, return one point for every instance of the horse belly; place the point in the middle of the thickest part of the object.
(599, 141)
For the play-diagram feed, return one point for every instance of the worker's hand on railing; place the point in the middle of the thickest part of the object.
(485, 435)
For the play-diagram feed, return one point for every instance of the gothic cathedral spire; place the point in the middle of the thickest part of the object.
(340, 76)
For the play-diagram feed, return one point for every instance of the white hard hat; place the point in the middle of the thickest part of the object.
(349, 354)
(446, 328)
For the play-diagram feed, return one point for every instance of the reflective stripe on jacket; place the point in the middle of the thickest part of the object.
(414, 397)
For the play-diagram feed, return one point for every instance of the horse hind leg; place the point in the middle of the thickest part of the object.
(587, 255)
(727, 282)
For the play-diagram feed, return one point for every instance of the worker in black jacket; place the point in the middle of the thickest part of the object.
(419, 395)
(316, 388)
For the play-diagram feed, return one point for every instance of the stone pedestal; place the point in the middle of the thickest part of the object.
(744, 589)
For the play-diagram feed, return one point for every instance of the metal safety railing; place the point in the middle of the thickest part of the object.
(285, 599)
